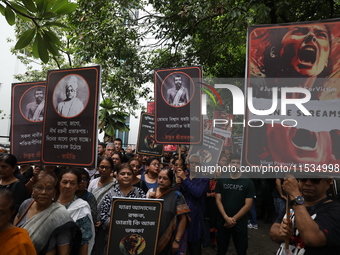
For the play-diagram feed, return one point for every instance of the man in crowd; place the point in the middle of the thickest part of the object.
(110, 149)
(178, 95)
(234, 197)
(118, 144)
(101, 149)
(314, 225)
(35, 109)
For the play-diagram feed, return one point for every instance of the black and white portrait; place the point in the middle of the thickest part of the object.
(71, 95)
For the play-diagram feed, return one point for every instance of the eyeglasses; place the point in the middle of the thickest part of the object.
(104, 167)
(312, 180)
(47, 189)
(125, 173)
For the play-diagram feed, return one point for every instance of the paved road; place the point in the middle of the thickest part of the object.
(259, 242)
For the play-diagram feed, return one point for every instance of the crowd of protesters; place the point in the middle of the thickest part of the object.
(66, 210)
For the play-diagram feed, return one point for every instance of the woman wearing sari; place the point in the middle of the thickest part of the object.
(174, 214)
(48, 223)
(79, 209)
(99, 187)
(13, 240)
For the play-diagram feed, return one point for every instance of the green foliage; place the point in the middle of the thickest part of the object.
(40, 17)
(110, 120)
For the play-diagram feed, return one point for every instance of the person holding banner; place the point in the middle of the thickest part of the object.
(175, 213)
(194, 189)
(35, 109)
(124, 188)
(314, 224)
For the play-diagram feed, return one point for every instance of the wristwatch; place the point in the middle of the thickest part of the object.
(177, 241)
(298, 200)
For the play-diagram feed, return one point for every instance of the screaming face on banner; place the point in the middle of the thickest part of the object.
(301, 55)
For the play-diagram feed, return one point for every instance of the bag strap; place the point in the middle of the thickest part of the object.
(24, 213)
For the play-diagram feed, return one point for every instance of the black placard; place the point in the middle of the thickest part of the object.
(134, 226)
(70, 127)
(28, 105)
(146, 144)
(178, 118)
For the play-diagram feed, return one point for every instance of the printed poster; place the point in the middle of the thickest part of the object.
(70, 126)
(134, 226)
(178, 118)
(28, 106)
(302, 55)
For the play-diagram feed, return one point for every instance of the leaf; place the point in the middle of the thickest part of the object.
(29, 4)
(2, 9)
(50, 45)
(66, 9)
(18, 7)
(58, 4)
(52, 37)
(25, 39)
(49, 15)
(10, 16)
(42, 49)
(35, 48)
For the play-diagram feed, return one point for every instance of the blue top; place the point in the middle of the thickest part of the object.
(149, 185)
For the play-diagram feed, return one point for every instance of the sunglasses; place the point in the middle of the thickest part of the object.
(313, 181)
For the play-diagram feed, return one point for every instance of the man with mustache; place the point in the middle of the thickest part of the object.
(35, 109)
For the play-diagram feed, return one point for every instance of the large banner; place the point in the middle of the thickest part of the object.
(134, 226)
(70, 126)
(178, 118)
(293, 73)
(28, 103)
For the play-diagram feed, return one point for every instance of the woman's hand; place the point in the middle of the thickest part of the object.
(175, 246)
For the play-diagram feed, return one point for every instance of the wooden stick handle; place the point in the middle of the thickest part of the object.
(287, 218)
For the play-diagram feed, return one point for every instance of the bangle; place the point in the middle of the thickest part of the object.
(177, 241)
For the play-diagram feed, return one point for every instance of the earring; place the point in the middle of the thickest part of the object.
(272, 52)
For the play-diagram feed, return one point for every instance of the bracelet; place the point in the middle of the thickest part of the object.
(177, 241)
